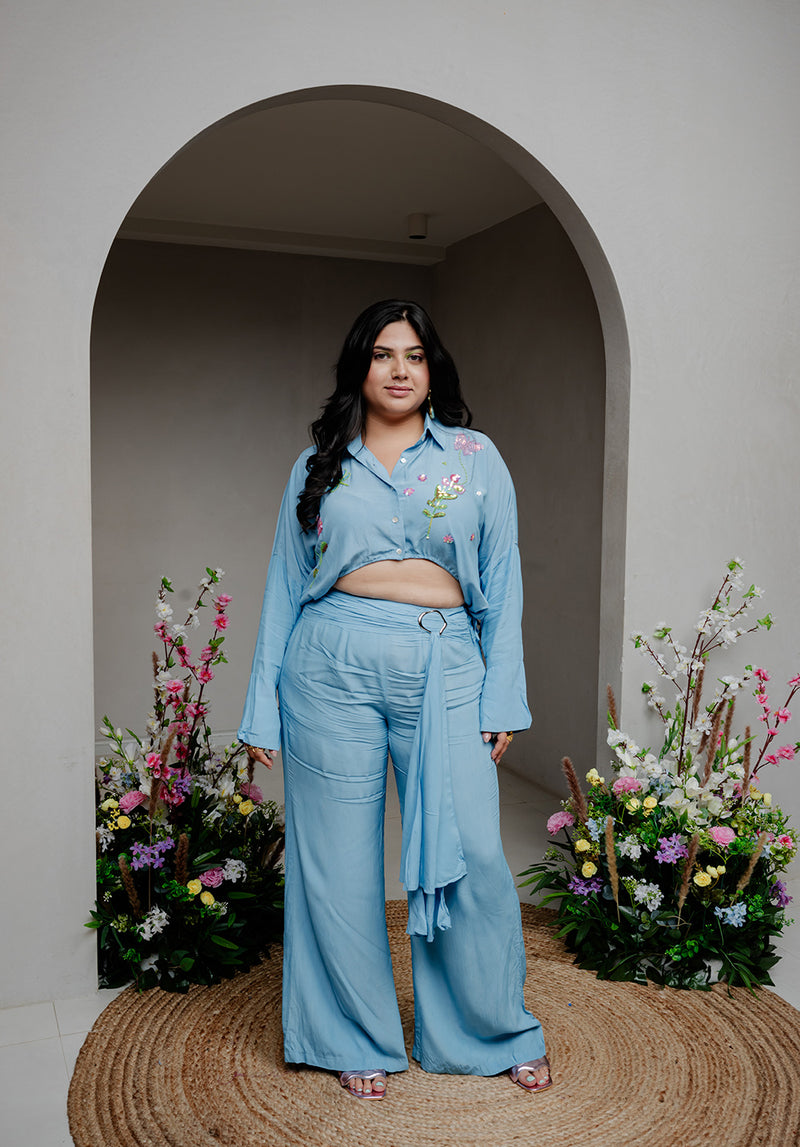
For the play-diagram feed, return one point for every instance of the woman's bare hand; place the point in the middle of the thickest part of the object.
(501, 743)
(265, 756)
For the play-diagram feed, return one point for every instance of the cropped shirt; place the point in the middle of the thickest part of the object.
(449, 500)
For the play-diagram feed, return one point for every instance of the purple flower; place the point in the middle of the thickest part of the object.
(150, 855)
(585, 888)
(779, 894)
(671, 849)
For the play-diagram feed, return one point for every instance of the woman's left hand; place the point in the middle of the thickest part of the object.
(501, 743)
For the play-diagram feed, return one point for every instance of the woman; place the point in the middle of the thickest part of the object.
(396, 541)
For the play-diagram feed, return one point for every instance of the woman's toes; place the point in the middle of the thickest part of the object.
(378, 1084)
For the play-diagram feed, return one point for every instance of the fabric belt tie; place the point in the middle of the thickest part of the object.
(432, 856)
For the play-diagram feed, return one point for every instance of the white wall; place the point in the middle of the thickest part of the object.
(663, 137)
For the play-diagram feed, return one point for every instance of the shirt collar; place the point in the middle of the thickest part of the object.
(432, 429)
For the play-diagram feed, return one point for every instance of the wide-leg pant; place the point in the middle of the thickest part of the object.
(351, 689)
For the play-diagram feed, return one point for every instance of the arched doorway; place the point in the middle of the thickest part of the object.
(212, 345)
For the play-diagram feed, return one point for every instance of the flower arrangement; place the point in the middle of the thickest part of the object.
(670, 868)
(189, 885)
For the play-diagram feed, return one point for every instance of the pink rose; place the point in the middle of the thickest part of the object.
(253, 792)
(212, 878)
(722, 835)
(131, 800)
(625, 785)
(558, 821)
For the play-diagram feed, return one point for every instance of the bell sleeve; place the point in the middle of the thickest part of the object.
(290, 567)
(504, 705)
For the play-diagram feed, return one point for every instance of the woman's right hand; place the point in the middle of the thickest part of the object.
(263, 755)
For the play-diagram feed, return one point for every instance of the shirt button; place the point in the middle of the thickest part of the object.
(395, 520)
(399, 551)
(403, 460)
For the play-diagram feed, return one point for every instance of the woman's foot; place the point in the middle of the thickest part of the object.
(364, 1084)
(534, 1075)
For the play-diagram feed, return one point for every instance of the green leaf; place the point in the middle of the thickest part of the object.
(224, 942)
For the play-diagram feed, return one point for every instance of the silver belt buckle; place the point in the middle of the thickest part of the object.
(425, 613)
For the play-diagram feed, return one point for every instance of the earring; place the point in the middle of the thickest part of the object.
(430, 404)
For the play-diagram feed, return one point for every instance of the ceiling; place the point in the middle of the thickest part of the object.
(329, 177)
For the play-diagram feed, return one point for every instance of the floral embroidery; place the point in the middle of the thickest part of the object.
(466, 445)
(448, 538)
(319, 550)
(408, 491)
(446, 491)
(343, 481)
(422, 477)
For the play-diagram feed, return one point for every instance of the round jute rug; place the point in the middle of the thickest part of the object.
(632, 1065)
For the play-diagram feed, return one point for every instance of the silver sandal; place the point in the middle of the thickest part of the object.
(346, 1076)
(532, 1065)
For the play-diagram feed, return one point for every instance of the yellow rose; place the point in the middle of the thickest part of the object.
(583, 845)
(650, 803)
(206, 897)
(712, 871)
(702, 879)
(194, 887)
(107, 805)
(634, 803)
(594, 778)
(237, 798)
(124, 822)
(767, 799)
(246, 807)
(721, 870)
(589, 869)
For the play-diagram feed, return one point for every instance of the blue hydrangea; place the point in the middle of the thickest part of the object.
(594, 828)
(735, 915)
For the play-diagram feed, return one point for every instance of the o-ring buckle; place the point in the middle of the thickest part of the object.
(425, 613)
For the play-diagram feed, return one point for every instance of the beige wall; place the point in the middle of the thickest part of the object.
(661, 136)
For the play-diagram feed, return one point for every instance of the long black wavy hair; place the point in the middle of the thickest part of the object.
(343, 414)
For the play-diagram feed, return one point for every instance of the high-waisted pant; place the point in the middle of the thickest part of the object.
(351, 689)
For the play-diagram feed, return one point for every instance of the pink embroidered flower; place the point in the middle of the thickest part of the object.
(319, 526)
(761, 674)
(783, 715)
(625, 785)
(722, 835)
(560, 820)
(422, 477)
(408, 491)
(448, 538)
(466, 445)
(131, 800)
(212, 878)
(221, 621)
(472, 537)
(252, 792)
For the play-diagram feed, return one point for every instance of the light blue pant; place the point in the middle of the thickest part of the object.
(352, 687)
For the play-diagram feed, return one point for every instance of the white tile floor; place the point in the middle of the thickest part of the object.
(39, 1043)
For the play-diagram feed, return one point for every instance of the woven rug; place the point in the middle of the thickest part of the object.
(632, 1065)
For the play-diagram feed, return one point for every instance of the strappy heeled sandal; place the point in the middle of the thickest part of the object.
(527, 1069)
(346, 1076)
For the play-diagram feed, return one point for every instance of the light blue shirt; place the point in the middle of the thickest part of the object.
(449, 500)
